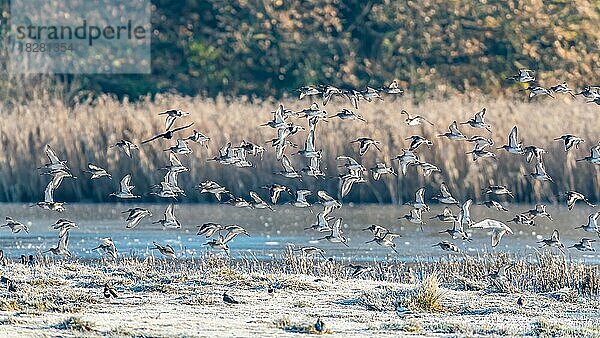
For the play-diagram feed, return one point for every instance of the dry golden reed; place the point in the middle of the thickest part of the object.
(83, 132)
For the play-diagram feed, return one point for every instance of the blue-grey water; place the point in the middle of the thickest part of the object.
(271, 232)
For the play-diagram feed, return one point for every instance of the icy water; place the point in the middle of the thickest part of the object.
(272, 231)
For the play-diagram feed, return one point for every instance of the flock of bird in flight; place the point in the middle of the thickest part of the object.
(355, 174)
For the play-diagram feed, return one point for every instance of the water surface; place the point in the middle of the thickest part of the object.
(272, 231)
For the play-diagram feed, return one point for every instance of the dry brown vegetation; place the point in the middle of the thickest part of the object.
(65, 297)
(83, 133)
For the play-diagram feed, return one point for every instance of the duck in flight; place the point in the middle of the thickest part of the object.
(585, 244)
(347, 114)
(172, 115)
(15, 226)
(592, 224)
(125, 146)
(570, 141)
(169, 220)
(381, 169)
(337, 234)
(573, 196)
(135, 216)
(594, 157)
(532, 151)
(498, 228)
(478, 121)
(365, 143)
(562, 88)
(97, 171)
(523, 76)
(553, 241)
(445, 196)
(385, 238)
(125, 189)
(165, 250)
(414, 120)
(167, 134)
(513, 146)
(453, 132)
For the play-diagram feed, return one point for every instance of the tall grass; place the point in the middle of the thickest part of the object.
(81, 129)
(540, 273)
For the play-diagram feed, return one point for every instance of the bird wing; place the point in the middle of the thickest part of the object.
(420, 196)
(184, 127)
(327, 210)
(57, 180)
(465, 209)
(148, 140)
(51, 155)
(94, 167)
(169, 215)
(512, 138)
(587, 241)
(287, 165)
(490, 224)
(497, 234)
(454, 128)
(174, 160)
(555, 236)
(228, 237)
(447, 212)
(458, 226)
(479, 116)
(49, 192)
(181, 144)
(169, 121)
(255, 197)
(444, 190)
(63, 241)
(278, 118)
(314, 163)
(540, 169)
(324, 195)
(125, 187)
(595, 152)
(351, 161)
(310, 141)
(390, 236)
(336, 230)
(592, 219)
(225, 149)
(347, 185)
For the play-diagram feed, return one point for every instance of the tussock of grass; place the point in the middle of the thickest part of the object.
(11, 320)
(228, 274)
(75, 324)
(426, 297)
(9, 305)
(377, 300)
(410, 326)
(564, 295)
(545, 328)
(302, 304)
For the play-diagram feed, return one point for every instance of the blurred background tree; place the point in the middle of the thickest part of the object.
(268, 48)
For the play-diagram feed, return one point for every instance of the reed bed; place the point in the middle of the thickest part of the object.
(539, 273)
(82, 131)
